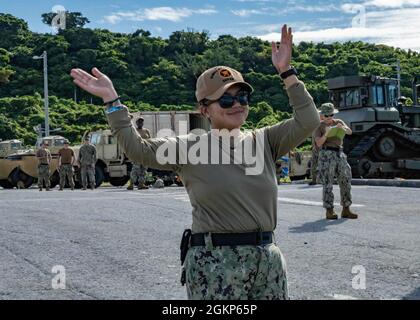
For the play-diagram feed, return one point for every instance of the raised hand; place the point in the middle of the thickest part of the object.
(99, 84)
(281, 55)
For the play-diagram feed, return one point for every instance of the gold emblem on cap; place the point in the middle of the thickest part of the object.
(225, 73)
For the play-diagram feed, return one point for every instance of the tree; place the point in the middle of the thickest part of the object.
(14, 31)
(73, 19)
(5, 69)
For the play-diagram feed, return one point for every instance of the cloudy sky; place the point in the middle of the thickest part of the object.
(391, 22)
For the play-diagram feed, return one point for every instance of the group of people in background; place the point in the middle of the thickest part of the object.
(86, 161)
(66, 163)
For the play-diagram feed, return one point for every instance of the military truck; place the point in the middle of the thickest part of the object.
(112, 164)
(386, 134)
(7, 148)
(19, 169)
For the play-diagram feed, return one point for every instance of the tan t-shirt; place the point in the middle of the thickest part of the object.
(223, 197)
(332, 142)
(44, 156)
(144, 133)
(66, 155)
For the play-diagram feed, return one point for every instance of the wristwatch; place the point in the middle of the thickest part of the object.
(288, 73)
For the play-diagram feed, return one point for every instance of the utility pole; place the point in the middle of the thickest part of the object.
(46, 104)
(399, 77)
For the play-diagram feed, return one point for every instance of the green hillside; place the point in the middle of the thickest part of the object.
(152, 73)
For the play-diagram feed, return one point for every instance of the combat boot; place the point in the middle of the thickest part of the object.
(346, 213)
(312, 183)
(40, 189)
(142, 186)
(330, 214)
(61, 189)
(130, 187)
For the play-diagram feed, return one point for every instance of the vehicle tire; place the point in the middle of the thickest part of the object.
(99, 176)
(385, 148)
(119, 182)
(6, 184)
(20, 179)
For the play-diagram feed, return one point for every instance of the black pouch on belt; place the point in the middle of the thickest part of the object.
(185, 245)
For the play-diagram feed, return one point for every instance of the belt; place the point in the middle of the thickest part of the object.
(44, 164)
(333, 149)
(65, 163)
(234, 239)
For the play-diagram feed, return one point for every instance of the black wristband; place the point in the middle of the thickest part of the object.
(288, 73)
(110, 102)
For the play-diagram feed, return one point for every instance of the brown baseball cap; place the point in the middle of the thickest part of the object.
(214, 82)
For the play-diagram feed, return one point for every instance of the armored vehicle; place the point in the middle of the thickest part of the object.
(7, 148)
(386, 133)
(112, 164)
(19, 169)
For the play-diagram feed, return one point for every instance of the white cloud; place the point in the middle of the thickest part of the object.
(392, 3)
(158, 13)
(246, 12)
(322, 8)
(278, 11)
(397, 27)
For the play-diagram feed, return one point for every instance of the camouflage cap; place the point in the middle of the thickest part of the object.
(327, 109)
(214, 82)
(66, 141)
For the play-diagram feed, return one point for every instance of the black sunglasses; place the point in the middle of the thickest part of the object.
(329, 116)
(227, 101)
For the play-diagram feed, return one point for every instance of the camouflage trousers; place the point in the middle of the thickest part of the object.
(236, 273)
(334, 164)
(314, 164)
(137, 174)
(43, 176)
(88, 170)
(66, 170)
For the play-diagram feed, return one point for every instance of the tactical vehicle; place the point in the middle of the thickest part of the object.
(19, 169)
(112, 164)
(386, 133)
(7, 148)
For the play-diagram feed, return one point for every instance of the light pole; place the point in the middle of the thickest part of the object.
(47, 124)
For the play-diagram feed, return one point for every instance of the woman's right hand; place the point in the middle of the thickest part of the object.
(99, 84)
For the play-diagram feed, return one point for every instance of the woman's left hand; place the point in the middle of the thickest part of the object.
(281, 55)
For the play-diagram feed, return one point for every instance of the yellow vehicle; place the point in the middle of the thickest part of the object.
(294, 166)
(19, 169)
(8, 148)
(112, 164)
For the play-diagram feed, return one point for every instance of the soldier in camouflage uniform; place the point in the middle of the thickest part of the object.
(87, 161)
(138, 171)
(65, 165)
(44, 162)
(230, 251)
(333, 162)
(255, 273)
